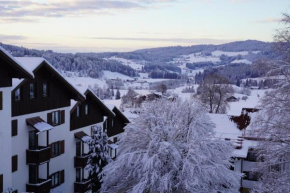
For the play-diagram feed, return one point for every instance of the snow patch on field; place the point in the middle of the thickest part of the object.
(130, 63)
(115, 75)
(245, 61)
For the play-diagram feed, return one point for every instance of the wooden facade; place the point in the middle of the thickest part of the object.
(115, 124)
(59, 95)
(9, 69)
(96, 112)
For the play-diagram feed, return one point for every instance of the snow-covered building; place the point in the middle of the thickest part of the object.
(9, 69)
(43, 123)
(244, 155)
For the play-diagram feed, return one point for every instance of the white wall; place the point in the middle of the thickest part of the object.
(5, 138)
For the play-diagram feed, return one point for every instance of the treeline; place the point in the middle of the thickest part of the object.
(233, 72)
(86, 64)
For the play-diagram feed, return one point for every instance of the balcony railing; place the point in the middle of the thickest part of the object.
(81, 161)
(82, 186)
(38, 156)
(42, 186)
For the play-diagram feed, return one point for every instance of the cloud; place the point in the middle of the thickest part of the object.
(174, 40)
(269, 20)
(20, 10)
(11, 37)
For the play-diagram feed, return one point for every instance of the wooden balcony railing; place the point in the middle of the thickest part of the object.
(39, 156)
(83, 186)
(81, 161)
(42, 186)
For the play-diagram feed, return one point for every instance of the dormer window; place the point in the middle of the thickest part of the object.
(45, 89)
(32, 91)
(86, 109)
(78, 111)
(18, 94)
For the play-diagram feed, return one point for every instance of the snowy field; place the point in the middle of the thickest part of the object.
(131, 63)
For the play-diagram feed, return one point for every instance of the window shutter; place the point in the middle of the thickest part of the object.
(14, 163)
(14, 128)
(62, 177)
(49, 118)
(62, 116)
(50, 145)
(1, 100)
(1, 183)
(62, 147)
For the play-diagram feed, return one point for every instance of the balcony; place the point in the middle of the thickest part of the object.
(81, 161)
(42, 186)
(39, 156)
(82, 186)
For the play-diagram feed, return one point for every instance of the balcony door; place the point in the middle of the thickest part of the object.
(33, 174)
(33, 140)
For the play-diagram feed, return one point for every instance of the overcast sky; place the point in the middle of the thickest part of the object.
(125, 25)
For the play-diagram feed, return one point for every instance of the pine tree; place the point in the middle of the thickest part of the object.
(98, 156)
(118, 95)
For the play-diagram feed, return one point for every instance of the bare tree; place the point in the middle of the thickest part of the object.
(213, 92)
(161, 88)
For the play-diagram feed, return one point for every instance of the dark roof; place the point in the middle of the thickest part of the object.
(79, 135)
(23, 73)
(117, 111)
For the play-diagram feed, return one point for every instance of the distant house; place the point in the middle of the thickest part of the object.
(244, 120)
(232, 99)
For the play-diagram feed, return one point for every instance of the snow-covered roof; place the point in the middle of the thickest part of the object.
(225, 128)
(72, 104)
(17, 62)
(113, 146)
(16, 82)
(246, 145)
(39, 124)
(43, 126)
(31, 63)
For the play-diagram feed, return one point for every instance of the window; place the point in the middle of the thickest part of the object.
(14, 128)
(112, 122)
(57, 148)
(1, 101)
(45, 89)
(32, 90)
(14, 163)
(86, 109)
(55, 118)
(57, 178)
(33, 174)
(18, 93)
(78, 174)
(78, 111)
(1, 183)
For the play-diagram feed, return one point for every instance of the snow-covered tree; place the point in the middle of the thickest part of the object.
(98, 155)
(273, 123)
(171, 147)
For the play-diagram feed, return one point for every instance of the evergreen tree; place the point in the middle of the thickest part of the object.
(118, 95)
(98, 156)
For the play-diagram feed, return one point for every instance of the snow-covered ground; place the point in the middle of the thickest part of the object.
(131, 63)
(245, 61)
(115, 75)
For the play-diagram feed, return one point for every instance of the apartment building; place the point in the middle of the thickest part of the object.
(44, 121)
